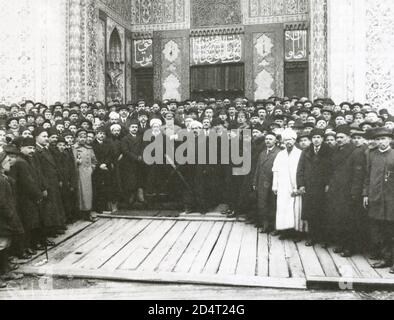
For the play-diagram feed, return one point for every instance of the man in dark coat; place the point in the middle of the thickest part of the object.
(103, 175)
(28, 194)
(313, 176)
(379, 196)
(132, 148)
(8, 216)
(262, 183)
(345, 186)
(68, 178)
(247, 199)
(53, 212)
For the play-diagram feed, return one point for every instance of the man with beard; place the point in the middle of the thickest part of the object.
(54, 218)
(103, 182)
(284, 186)
(28, 195)
(247, 199)
(132, 149)
(379, 199)
(114, 138)
(262, 184)
(313, 176)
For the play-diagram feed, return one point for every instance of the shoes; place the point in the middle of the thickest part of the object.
(338, 250)
(375, 257)
(50, 243)
(232, 215)
(309, 244)
(3, 285)
(381, 265)
(24, 256)
(325, 246)
(346, 254)
(275, 233)
(31, 252)
(391, 270)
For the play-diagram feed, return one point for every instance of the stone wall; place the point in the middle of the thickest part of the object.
(32, 51)
(360, 59)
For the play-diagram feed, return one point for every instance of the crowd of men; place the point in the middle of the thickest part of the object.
(319, 172)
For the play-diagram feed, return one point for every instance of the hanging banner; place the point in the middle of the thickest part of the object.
(217, 49)
(143, 53)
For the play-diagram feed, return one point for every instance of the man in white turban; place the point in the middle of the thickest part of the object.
(289, 206)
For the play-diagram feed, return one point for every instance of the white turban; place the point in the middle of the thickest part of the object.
(197, 124)
(289, 134)
(156, 122)
(115, 126)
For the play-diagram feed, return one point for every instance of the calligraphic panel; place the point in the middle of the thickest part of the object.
(274, 11)
(212, 12)
(296, 45)
(217, 49)
(160, 15)
(143, 53)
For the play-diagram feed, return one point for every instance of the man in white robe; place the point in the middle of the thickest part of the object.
(289, 200)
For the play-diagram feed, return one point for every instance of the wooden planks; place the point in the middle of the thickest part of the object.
(247, 262)
(277, 260)
(202, 252)
(327, 263)
(229, 262)
(207, 248)
(122, 256)
(186, 262)
(106, 249)
(156, 256)
(344, 265)
(263, 255)
(310, 261)
(293, 260)
(213, 263)
(176, 252)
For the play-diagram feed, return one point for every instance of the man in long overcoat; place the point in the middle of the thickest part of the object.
(132, 149)
(28, 194)
(103, 175)
(262, 183)
(313, 176)
(53, 214)
(379, 196)
(345, 185)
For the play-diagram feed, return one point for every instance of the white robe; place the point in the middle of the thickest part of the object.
(289, 209)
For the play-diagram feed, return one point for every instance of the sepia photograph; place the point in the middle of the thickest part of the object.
(215, 151)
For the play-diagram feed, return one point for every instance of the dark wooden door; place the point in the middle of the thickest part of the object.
(296, 79)
(144, 84)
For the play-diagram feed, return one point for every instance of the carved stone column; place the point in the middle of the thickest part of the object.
(319, 58)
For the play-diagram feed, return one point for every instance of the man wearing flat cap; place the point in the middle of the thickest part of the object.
(86, 162)
(345, 188)
(379, 198)
(28, 196)
(262, 183)
(54, 215)
(313, 176)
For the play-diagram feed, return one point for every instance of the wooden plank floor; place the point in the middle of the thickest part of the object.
(197, 251)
